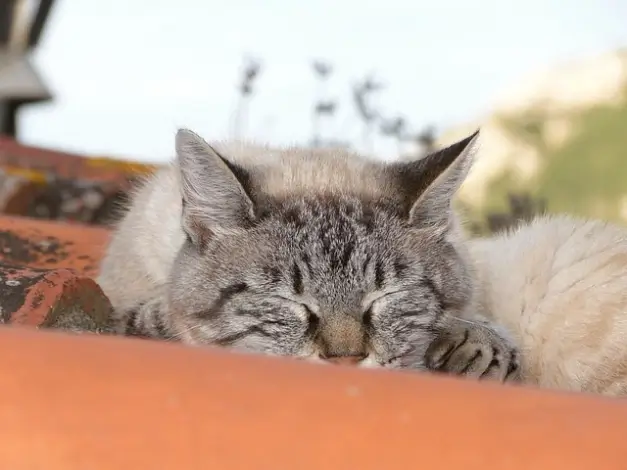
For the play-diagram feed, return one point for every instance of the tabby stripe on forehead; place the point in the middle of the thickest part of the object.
(226, 294)
(348, 252)
(367, 219)
(379, 275)
(366, 264)
(307, 263)
(297, 279)
(341, 256)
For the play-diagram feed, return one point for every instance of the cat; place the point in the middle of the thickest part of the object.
(329, 257)
(317, 254)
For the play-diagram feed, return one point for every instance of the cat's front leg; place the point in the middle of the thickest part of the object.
(474, 348)
(147, 319)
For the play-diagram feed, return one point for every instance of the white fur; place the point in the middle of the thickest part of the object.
(559, 285)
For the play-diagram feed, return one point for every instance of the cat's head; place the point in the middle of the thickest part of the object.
(334, 276)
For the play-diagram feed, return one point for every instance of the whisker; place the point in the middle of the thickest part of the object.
(178, 335)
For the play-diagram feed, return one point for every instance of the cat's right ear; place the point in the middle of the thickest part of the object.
(215, 202)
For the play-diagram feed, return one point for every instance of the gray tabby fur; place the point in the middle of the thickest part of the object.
(314, 254)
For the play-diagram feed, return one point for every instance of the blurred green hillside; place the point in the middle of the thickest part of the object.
(555, 141)
(585, 175)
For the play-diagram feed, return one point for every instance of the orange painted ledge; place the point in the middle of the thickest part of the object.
(48, 244)
(72, 402)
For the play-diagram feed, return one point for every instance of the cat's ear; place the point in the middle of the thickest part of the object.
(215, 201)
(430, 183)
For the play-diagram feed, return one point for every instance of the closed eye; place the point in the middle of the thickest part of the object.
(313, 320)
(367, 315)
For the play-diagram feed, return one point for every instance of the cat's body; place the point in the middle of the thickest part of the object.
(559, 285)
(327, 256)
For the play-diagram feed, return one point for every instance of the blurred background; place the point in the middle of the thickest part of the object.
(546, 81)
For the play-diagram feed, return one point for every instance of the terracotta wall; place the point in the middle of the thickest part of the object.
(46, 270)
(78, 402)
(56, 207)
(47, 184)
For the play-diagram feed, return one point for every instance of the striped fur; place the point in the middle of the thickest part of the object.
(316, 254)
(323, 255)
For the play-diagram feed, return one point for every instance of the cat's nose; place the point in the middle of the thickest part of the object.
(351, 360)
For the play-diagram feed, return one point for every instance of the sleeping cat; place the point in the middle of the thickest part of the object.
(326, 256)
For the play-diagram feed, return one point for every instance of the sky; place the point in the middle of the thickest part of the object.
(126, 74)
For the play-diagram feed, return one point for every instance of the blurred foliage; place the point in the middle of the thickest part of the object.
(588, 175)
(520, 208)
(585, 175)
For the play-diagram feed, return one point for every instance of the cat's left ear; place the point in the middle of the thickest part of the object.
(429, 184)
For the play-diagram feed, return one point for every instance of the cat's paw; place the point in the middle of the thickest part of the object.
(474, 349)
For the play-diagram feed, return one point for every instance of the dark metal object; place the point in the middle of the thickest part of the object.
(20, 83)
(7, 7)
(39, 22)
